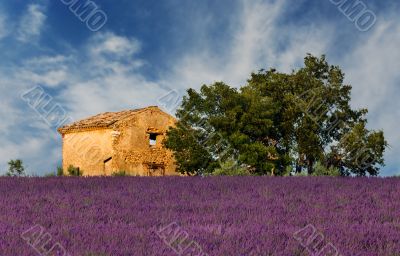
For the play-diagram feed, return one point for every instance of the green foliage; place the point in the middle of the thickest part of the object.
(192, 157)
(16, 168)
(119, 174)
(50, 174)
(360, 151)
(275, 123)
(230, 168)
(303, 173)
(74, 171)
(288, 171)
(219, 123)
(60, 171)
(321, 170)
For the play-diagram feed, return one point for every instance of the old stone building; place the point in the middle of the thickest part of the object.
(129, 141)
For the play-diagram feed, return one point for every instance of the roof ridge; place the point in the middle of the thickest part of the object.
(102, 120)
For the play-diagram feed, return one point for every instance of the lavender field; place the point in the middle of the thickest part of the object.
(199, 216)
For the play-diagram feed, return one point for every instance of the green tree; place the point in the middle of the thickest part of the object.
(314, 110)
(219, 123)
(16, 168)
(277, 121)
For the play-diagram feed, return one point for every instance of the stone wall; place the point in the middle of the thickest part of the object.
(87, 150)
(132, 150)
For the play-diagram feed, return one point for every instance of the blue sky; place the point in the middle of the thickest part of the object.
(148, 48)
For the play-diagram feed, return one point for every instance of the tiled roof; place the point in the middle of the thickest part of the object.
(103, 120)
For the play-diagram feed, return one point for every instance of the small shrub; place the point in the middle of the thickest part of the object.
(288, 171)
(230, 168)
(16, 168)
(50, 174)
(74, 171)
(60, 171)
(322, 170)
(119, 174)
(303, 173)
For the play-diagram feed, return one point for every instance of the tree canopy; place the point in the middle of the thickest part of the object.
(277, 124)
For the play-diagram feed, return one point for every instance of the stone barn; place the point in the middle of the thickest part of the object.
(129, 141)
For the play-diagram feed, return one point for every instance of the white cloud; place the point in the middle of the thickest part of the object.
(8, 114)
(47, 71)
(373, 66)
(49, 79)
(47, 60)
(31, 24)
(109, 43)
(108, 78)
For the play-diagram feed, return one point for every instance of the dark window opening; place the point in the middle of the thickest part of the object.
(153, 139)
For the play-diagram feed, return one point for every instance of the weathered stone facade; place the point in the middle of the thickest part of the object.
(129, 141)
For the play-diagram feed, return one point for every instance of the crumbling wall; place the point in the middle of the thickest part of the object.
(132, 150)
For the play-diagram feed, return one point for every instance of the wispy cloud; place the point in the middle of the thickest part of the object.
(372, 69)
(109, 43)
(31, 24)
(3, 26)
(22, 133)
(256, 43)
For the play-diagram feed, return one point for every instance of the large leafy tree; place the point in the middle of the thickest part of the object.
(275, 123)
